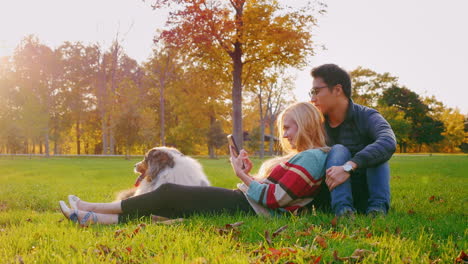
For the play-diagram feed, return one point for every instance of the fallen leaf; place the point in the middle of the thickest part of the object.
(234, 225)
(276, 254)
(129, 249)
(172, 221)
(436, 199)
(303, 233)
(118, 232)
(397, 231)
(369, 235)
(19, 259)
(361, 253)
(28, 220)
(406, 260)
(306, 232)
(336, 235)
(281, 229)
(411, 212)
(73, 248)
(336, 257)
(462, 257)
(334, 221)
(157, 218)
(103, 248)
(316, 260)
(321, 241)
(139, 227)
(268, 238)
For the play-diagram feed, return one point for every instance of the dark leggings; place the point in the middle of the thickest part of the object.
(174, 200)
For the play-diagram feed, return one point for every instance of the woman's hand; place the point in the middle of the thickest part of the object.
(238, 162)
(246, 161)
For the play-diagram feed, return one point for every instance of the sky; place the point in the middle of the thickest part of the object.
(422, 42)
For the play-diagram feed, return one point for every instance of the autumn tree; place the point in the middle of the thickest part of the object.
(369, 85)
(401, 126)
(425, 129)
(240, 33)
(464, 145)
(11, 139)
(272, 92)
(161, 69)
(454, 134)
(79, 69)
(36, 80)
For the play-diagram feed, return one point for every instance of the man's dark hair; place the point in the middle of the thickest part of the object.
(333, 75)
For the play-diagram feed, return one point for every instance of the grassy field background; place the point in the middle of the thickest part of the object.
(427, 223)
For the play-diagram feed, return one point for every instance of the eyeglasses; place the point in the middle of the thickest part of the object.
(315, 90)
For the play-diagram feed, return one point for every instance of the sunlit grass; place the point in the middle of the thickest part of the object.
(427, 221)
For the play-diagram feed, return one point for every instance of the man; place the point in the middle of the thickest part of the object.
(358, 174)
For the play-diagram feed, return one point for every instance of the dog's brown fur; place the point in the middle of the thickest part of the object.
(154, 162)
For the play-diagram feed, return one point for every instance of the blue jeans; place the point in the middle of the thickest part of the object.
(365, 191)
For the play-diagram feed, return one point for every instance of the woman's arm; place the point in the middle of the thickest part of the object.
(298, 178)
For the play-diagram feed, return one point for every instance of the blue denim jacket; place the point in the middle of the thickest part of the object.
(367, 135)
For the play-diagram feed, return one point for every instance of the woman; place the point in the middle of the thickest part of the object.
(283, 184)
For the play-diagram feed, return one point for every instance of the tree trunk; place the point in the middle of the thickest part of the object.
(272, 138)
(211, 148)
(162, 110)
(78, 137)
(262, 126)
(238, 132)
(101, 95)
(111, 138)
(115, 57)
(26, 147)
(236, 56)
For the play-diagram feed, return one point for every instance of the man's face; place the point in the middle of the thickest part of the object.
(321, 96)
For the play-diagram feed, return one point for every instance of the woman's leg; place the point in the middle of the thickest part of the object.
(103, 208)
(173, 201)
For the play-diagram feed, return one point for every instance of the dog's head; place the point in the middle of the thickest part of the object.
(156, 160)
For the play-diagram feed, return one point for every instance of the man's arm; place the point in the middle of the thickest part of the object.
(382, 148)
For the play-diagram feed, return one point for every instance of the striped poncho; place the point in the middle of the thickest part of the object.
(289, 186)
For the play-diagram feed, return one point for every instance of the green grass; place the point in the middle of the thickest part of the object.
(417, 230)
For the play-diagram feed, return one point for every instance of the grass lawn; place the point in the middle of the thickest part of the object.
(427, 223)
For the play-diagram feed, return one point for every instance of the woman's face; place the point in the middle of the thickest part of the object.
(289, 129)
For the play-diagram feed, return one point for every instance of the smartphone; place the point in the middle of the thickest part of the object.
(233, 145)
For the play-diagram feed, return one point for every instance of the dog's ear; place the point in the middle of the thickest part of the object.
(157, 161)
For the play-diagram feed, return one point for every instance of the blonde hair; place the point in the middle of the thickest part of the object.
(310, 134)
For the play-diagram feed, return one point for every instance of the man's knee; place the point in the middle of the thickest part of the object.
(338, 155)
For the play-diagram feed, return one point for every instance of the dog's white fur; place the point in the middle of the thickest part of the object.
(186, 171)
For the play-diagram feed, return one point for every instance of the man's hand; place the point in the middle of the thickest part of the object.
(336, 176)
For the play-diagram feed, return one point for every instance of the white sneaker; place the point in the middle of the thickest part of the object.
(73, 201)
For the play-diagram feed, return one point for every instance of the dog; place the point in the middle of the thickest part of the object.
(165, 165)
